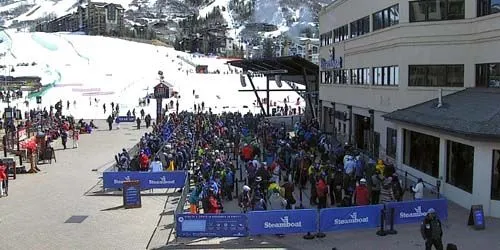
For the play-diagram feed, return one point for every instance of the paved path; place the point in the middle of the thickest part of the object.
(33, 215)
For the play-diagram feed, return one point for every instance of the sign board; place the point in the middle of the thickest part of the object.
(161, 91)
(39, 100)
(21, 134)
(476, 217)
(120, 119)
(211, 225)
(331, 63)
(341, 219)
(415, 211)
(132, 194)
(148, 180)
(282, 221)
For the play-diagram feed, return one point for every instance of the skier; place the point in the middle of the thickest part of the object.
(112, 105)
(133, 112)
(67, 104)
(148, 120)
(203, 106)
(110, 122)
(142, 113)
(104, 107)
(148, 100)
(64, 137)
(128, 113)
(74, 103)
(138, 123)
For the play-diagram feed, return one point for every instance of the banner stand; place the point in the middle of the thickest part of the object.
(381, 231)
(391, 221)
(309, 236)
(319, 234)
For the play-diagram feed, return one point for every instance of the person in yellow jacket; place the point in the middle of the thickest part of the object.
(380, 167)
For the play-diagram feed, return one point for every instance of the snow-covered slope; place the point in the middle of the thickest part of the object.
(81, 68)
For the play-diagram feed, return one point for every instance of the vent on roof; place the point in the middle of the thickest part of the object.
(440, 98)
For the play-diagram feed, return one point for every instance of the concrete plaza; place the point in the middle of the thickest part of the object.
(33, 216)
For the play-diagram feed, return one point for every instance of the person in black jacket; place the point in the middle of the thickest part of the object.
(431, 231)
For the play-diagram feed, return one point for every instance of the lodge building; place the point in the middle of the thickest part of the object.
(96, 18)
(417, 83)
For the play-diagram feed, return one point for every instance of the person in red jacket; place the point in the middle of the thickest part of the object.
(321, 192)
(3, 178)
(361, 194)
(247, 152)
(144, 161)
(214, 207)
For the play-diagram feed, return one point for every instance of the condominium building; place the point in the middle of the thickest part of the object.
(417, 83)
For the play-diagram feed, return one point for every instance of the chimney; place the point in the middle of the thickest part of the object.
(440, 98)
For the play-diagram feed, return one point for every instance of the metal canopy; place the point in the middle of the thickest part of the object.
(294, 65)
(291, 69)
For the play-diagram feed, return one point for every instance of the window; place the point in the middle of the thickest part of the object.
(360, 27)
(386, 17)
(341, 33)
(436, 75)
(339, 127)
(326, 38)
(421, 152)
(487, 7)
(387, 76)
(460, 165)
(391, 142)
(111, 13)
(340, 76)
(495, 176)
(436, 10)
(360, 76)
(488, 75)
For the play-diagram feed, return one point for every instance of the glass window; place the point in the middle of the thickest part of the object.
(366, 78)
(377, 21)
(456, 9)
(391, 142)
(436, 10)
(386, 17)
(488, 75)
(377, 76)
(354, 76)
(436, 75)
(385, 80)
(495, 176)
(421, 152)
(394, 15)
(354, 29)
(460, 165)
(487, 7)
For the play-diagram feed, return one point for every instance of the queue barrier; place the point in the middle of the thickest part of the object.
(306, 220)
(120, 119)
(148, 180)
(415, 211)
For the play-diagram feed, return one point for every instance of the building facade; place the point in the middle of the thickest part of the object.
(95, 19)
(391, 55)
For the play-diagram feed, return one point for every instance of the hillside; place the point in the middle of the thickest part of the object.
(81, 68)
(287, 15)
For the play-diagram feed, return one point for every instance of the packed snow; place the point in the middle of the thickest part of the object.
(84, 68)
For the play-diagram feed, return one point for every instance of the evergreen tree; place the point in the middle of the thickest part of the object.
(268, 48)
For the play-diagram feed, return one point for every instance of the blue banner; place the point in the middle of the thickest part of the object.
(282, 221)
(211, 225)
(148, 180)
(415, 211)
(125, 119)
(339, 219)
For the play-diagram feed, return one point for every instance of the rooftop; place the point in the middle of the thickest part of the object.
(473, 112)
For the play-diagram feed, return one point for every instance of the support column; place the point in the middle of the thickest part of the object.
(350, 124)
(267, 94)
(334, 121)
(399, 147)
(372, 133)
(256, 94)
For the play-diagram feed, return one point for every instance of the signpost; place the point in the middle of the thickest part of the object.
(211, 225)
(161, 91)
(132, 194)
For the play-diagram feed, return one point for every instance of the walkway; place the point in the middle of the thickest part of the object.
(34, 213)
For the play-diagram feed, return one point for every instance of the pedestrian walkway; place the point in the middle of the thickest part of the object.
(37, 210)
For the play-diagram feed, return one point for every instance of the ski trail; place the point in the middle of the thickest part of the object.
(74, 48)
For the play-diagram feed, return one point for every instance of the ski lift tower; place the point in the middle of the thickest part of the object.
(161, 91)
